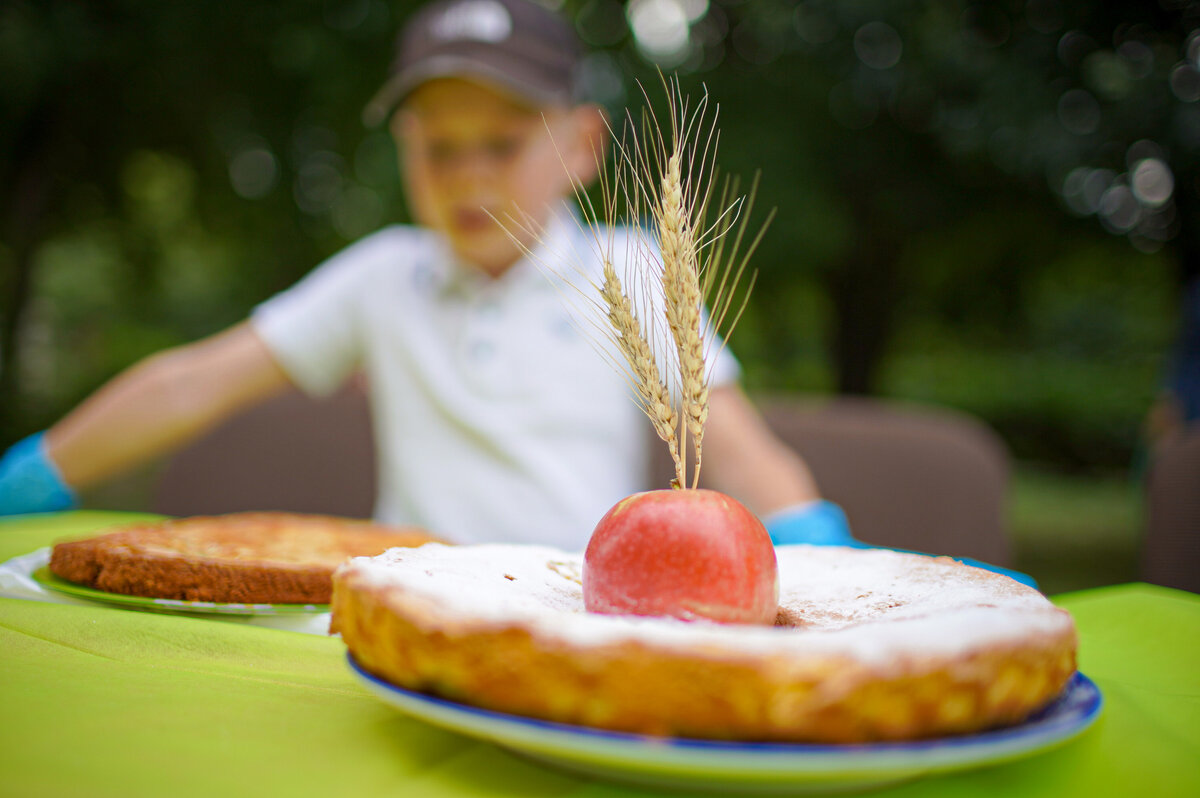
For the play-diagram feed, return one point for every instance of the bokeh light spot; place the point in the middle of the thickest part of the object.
(318, 183)
(1095, 184)
(160, 187)
(1193, 48)
(1152, 182)
(356, 212)
(1073, 47)
(878, 45)
(814, 23)
(253, 172)
(1141, 149)
(1079, 112)
(694, 10)
(1138, 58)
(660, 28)
(1073, 193)
(1119, 208)
(601, 80)
(1107, 74)
(1185, 82)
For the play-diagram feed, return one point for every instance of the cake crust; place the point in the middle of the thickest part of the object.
(250, 558)
(893, 662)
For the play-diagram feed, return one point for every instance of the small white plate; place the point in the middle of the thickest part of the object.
(748, 767)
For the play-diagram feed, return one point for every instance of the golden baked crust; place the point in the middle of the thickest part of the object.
(249, 558)
(851, 685)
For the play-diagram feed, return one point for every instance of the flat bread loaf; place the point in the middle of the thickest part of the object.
(252, 558)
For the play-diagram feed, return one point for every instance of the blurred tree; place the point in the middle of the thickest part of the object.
(945, 172)
(911, 115)
(165, 165)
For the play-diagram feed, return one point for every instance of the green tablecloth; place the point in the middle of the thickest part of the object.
(112, 702)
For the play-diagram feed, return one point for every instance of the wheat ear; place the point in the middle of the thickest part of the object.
(653, 395)
(671, 176)
(681, 294)
(678, 207)
(672, 183)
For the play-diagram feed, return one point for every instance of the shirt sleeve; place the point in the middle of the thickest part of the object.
(314, 329)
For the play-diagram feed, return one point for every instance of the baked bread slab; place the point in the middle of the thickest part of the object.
(248, 558)
(870, 645)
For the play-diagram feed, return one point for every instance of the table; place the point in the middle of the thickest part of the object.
(111, 702)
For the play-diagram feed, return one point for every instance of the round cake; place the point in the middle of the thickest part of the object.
(869, 645)
(250, 558)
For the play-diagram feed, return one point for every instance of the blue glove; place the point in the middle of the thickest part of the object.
(30, 482)
(820, 523)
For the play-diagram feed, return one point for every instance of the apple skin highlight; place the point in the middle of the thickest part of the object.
(687, 554)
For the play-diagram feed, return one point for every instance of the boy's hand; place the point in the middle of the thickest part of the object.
(30, 482)
(819, 522)
(822, 523)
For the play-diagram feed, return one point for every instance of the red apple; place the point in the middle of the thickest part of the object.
(687, 554)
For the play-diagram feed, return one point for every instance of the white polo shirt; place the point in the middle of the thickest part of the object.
(496, 417)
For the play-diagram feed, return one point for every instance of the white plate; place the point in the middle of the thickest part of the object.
(748, 767)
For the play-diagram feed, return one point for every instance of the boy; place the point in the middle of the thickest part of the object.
(496, 420)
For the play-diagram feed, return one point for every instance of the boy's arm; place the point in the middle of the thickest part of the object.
(158, 405)
(744, 458)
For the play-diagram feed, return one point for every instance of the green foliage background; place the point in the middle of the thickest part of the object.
(923, 249)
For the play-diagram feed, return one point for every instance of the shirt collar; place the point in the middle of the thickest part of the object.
(554, 256)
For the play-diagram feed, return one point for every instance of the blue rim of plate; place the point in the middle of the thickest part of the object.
(1067, 716)
(47, 579)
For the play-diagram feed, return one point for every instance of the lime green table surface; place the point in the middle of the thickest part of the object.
(102, 701)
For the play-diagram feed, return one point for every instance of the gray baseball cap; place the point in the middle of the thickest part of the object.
(518, 45)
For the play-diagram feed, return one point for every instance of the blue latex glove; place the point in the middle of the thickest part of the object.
(30, 482)
(821, 523)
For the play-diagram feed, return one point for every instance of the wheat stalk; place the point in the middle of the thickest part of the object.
(691, 255)
(679, 265)
(652, 392)
(681, 291)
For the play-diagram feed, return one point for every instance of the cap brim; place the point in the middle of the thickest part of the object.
(513, 77)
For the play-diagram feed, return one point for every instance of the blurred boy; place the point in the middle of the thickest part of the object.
(496, 420)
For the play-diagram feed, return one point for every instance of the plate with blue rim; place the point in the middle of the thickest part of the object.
(722, 766)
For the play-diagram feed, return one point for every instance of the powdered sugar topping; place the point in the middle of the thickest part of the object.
(873, 605)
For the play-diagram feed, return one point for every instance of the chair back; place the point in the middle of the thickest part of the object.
(913, 477)
(920, 478)
(291, 452)
(1171, 540)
